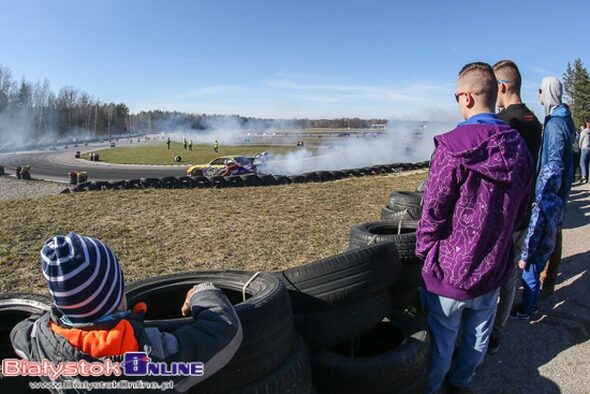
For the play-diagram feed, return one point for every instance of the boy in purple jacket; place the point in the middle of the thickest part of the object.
(475, 195)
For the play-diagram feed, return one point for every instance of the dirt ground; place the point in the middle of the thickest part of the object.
(552, 353)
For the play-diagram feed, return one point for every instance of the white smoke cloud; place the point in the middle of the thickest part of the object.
(403, 141)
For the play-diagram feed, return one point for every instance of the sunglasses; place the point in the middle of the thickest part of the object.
(463, 93)
(540, 91)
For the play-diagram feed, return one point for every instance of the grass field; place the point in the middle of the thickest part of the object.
(164, 231)
(160, 154)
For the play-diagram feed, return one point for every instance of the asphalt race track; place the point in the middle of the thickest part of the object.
(56, 164)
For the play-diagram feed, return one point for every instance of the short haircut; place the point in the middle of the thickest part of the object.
(478, 77)
(510, 70)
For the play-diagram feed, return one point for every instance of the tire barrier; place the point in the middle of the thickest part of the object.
(14, 308)
(218, 181)
(269, 343)
(390, 358)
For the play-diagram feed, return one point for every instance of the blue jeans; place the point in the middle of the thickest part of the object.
(584, 156)
(446, 317)
(531, 283)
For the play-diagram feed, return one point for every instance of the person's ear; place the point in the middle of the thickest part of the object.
(502, 88)
(470, 100)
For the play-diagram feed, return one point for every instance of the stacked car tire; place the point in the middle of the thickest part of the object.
(199, 182)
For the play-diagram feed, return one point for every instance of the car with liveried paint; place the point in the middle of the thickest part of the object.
(224, 166)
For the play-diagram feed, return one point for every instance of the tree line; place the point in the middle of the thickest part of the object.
(34, 109)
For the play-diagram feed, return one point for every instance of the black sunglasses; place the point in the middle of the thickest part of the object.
(540, 91)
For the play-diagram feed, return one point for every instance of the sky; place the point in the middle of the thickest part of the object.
(287, 58)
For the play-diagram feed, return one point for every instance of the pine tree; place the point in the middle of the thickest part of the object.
(576, 88)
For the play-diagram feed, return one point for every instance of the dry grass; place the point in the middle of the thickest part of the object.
(164, 231)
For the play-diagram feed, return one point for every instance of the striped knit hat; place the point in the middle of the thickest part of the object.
(83, 277)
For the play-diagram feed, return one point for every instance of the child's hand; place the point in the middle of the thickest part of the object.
(522, 264)
(186, 310)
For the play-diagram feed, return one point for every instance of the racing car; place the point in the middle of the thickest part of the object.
(224, 166)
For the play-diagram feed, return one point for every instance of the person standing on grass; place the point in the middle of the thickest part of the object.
(584, 146)
(190, 145)
(168, 142)
(516, 114)
(216, 146)
(557, 147)
(475, 196)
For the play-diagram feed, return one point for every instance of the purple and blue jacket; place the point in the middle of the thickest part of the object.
(476, 193)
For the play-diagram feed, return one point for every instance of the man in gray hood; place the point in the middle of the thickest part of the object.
(557, 148)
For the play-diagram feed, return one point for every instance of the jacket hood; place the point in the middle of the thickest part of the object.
(490, 150)
(552, 91)
(561, 111)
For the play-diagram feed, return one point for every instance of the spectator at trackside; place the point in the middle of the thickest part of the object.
(190, 145)
(557, 147)
(216, 146)
(476, 193)
(516, 114)
(168, 142)
(541, 235)
(89, 319)
(584, 146)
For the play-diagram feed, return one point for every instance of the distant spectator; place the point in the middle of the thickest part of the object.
(190, 145)
(168, 142)
(576, 153)
(476, 193)
(584, 146)
(216, 146)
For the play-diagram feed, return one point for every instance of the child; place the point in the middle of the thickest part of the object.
(541, 235)
(89, 319)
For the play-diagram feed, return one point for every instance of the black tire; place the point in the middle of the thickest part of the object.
(267, 180)
(325, 176)
(251, 180)
(119, 185)
(311, 177)
(342, 322)
(282, 179)
(234, 181)
(217, 181)
(337, 175)
(201, 182)
(151, 182)
(169, 182)
(266, 318)
(14, 308)
(378, 232)
(134, 183)
(391, 358)
(297, 178)
(399, 201)
(412, 214)
(345, 276)
(186, 182)
(293, 376)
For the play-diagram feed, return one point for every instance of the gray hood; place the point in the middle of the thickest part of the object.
(551, 87)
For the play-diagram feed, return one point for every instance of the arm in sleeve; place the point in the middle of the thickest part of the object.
(555, 142)
(534, 234)
(440, 196)
(212, 338)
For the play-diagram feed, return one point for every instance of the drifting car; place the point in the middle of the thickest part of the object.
(224, 166)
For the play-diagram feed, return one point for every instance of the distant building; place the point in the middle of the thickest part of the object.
(378, 126)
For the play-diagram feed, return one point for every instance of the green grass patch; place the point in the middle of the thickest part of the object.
(156, 231)
(160, 154)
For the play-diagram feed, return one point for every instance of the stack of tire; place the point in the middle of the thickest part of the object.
(325, 327)
(399, 220)
(341, 307)
(15, 307)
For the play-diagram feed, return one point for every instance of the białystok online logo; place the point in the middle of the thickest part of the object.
(134, 364)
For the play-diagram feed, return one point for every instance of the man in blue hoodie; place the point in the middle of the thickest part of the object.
(557, 148)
